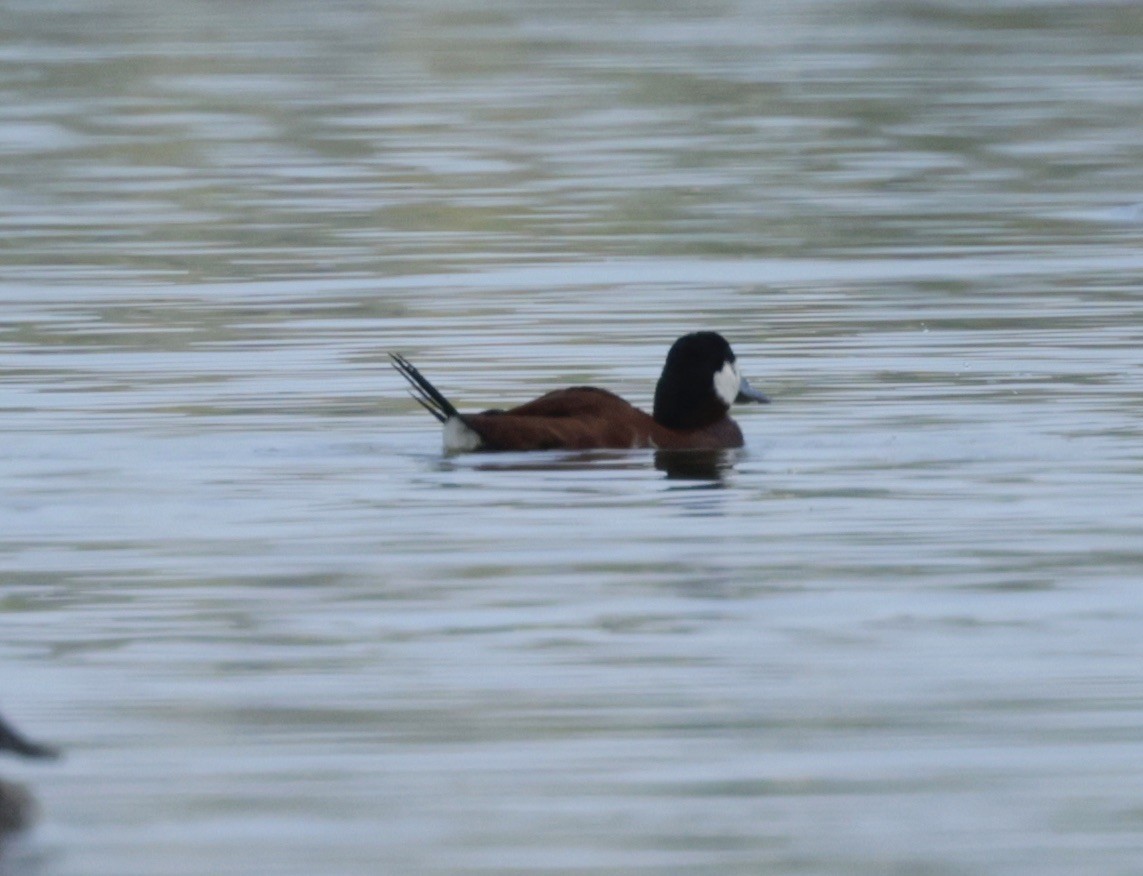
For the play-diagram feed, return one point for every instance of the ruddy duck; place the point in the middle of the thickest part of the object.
(17, 806)
(700, 381)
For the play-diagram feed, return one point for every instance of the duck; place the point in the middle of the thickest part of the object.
(699, 383)
(17, 806)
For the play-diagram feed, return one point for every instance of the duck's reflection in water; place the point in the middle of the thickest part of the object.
(708, 467)
(548, 460)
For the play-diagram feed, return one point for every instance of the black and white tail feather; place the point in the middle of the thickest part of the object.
(458, 435)
(424, 393)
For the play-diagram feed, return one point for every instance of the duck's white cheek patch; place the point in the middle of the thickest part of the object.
(458, 437)
(726, 383)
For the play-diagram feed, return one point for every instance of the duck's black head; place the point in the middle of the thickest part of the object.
(700, 381)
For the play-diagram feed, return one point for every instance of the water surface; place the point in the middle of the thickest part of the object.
(278, 631)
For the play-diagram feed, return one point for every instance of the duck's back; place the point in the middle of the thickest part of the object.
(588, 418)
(578, 418)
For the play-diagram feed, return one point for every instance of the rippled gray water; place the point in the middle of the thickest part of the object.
(278, 632)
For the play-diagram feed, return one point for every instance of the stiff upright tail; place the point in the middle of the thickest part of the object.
(424, 393)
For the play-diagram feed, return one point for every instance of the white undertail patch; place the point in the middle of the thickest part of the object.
(458, 437)
(727, 380)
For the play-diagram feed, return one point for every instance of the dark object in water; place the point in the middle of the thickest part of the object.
(17, 806)
(699, 383)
